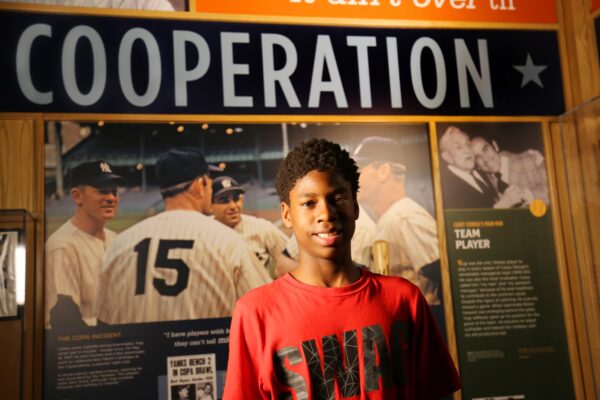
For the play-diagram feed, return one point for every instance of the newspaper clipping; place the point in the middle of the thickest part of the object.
(192, 377)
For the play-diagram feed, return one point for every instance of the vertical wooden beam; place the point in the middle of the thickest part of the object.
(575, 145)
(444, 263)
(561, 224)
(578, 42)
(21, 187)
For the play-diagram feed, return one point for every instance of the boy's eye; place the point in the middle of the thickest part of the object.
(339, 198)
(308, 203)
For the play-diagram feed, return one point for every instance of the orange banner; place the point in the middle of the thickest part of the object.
(503, 11)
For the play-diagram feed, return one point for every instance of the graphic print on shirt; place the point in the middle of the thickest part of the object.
(324, 371)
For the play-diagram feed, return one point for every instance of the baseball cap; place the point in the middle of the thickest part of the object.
(225, 184)
(181, 165)
(377, 148)
(94, 173)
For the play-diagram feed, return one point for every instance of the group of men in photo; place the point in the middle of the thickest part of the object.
(478, 174)
(178, 264)
(198, 256)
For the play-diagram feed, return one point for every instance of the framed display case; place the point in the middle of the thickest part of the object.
(14, 238)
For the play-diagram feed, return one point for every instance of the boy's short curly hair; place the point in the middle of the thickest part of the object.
(319, 155)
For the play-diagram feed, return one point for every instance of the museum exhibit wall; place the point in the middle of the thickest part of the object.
(561, 128)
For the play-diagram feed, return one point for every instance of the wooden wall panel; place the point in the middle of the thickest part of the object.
(580, 56)
(21, 187)
(576, 146)
(10, 367)
(17, 163)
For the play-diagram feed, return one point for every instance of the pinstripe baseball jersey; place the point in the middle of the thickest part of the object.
(411, 233)
(264, 238)
(361, 244)
(173, 266)
(73, 262)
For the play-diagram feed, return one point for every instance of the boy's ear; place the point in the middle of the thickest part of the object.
(356, 208)
(285, 215)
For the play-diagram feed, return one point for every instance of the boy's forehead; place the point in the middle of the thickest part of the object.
(330, 180)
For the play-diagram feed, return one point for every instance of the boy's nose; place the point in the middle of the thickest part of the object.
(327, 212)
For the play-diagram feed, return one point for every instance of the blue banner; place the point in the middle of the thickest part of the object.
(88, 64)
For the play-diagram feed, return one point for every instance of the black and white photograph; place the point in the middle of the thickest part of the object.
(8, 273)
(492, 165)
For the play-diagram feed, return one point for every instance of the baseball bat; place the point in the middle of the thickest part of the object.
(381, 257)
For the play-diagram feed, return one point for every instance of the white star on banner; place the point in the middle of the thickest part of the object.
(531, 72)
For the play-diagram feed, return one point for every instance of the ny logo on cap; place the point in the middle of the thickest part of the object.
(226, 183)
(104, 167)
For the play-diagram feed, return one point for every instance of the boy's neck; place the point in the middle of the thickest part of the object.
(326, 273)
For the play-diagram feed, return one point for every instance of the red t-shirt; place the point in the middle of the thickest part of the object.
(373, 339)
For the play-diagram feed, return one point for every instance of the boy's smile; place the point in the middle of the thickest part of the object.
(322, 213)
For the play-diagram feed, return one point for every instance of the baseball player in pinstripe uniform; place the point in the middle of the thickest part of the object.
(74, 251)
(409, 230)
(179, 264)
(264, 238)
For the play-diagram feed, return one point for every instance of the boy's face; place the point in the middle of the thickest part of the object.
(322, 214)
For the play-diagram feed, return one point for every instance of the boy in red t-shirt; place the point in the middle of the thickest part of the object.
(330, 329)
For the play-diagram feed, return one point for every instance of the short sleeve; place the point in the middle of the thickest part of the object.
(242, 378)
(435, 375)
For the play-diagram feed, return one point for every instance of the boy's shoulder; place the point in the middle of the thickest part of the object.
(396, 293)
(261, 296)
(389, 281)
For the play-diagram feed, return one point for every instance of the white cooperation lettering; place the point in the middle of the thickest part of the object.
(24, 63)
(282, 75)
(154, 67)
(99, 65)
(231, 69)
(183, 75)
(440, 69)
(324, 56)
(324, 60)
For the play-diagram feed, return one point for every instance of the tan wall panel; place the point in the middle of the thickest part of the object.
(576, 147)
(21, 187)
(17, 163)
(10, 348)
(580, 56)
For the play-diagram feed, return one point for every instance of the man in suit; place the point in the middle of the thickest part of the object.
(463, 185)
(526, 170)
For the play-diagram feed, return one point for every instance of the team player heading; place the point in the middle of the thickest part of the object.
(105, 64)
